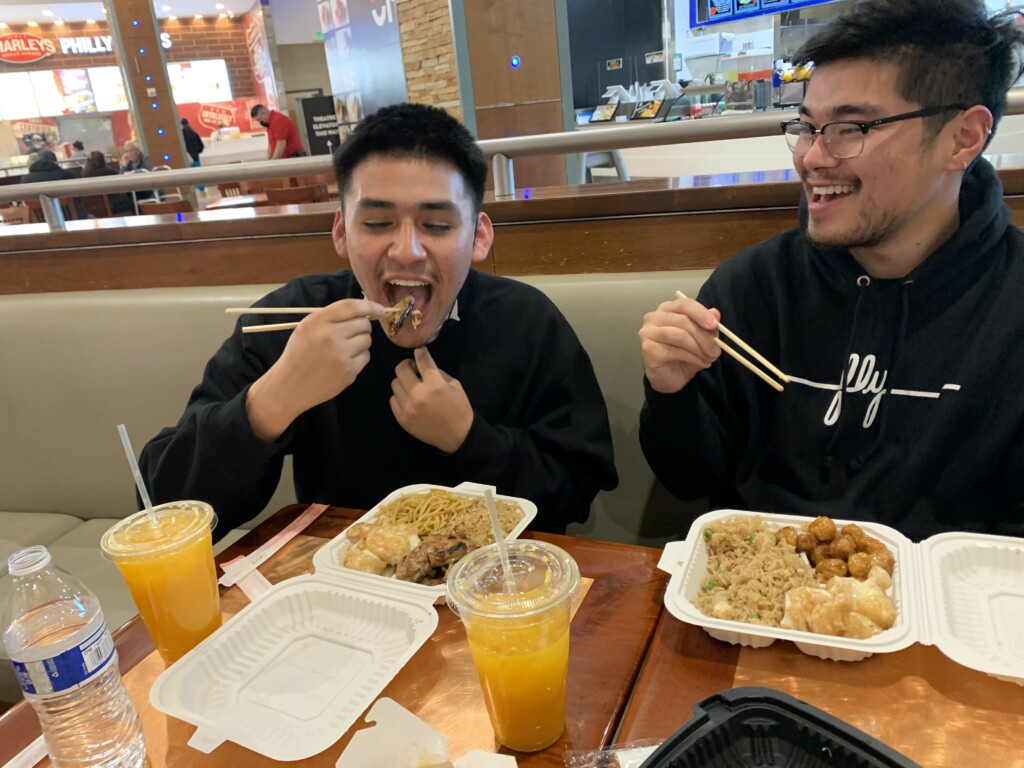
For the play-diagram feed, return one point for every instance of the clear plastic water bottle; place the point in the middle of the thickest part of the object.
(64, 657)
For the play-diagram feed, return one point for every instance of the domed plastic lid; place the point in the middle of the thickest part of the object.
(172, 525)
(544, 576)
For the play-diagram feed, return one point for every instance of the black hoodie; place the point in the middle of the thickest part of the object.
(928, 432)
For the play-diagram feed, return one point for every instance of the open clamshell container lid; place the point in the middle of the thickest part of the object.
(762, 727)
(954, 591)
(330, 558)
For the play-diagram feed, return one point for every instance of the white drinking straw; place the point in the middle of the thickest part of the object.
(499, 539)
(135, 470)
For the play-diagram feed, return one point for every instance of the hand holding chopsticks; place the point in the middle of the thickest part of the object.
(752, 352)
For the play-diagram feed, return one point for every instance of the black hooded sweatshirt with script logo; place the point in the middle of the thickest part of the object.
(906, 405)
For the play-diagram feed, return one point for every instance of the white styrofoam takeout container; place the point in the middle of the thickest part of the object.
(291, 673)
(961, 592)
(330, 558)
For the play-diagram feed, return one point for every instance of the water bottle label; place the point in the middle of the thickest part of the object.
(69, 669)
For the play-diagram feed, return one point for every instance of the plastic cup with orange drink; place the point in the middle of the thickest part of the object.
(519, 636)
(166, 559)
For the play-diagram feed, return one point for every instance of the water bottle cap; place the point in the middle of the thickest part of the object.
(28, 560)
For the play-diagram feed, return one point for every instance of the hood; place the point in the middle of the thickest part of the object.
(43, 166)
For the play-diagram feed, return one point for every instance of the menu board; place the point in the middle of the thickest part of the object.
(108, 88)
(48, 96)
(704, 12)
(18, 101)
(202, 80)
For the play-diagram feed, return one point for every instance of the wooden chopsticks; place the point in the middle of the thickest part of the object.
(752, 352)
(281, 311)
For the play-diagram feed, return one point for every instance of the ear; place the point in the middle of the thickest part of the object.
(970, 137)
(484, 237)
(338, 234)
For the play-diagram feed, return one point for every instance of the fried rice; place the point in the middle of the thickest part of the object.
(749, 572)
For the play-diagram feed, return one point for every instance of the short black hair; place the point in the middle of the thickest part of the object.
(255, 109)
(416, 132)
(184, 121)
(77, 145)
(946, 52)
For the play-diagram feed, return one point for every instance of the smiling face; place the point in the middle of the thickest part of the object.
(898, 192)
(408, 228)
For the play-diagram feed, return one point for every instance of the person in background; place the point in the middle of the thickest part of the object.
(491, 386)
(46, 168)
(133, 160)
(895, 307)
(193, 143)
(282, 135)
(193, 146)
(96, 165)
(79, 153)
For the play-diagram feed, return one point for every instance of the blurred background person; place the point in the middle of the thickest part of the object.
(96, 165)
(282, 135)
(46, 168)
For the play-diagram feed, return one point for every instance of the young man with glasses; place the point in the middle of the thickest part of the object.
(895, 308)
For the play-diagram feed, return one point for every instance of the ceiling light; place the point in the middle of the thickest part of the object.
(90, 21)
(198, 17)
(47, 12)
(59, 23)
(165, 8)
(219, 6)
(33, 23)
(222, 15)
(172, 18)
(2, 25)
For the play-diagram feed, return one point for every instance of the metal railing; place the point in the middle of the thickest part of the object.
(500, 152)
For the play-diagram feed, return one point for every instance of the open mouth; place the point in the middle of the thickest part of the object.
(397, 289)
(831, 193)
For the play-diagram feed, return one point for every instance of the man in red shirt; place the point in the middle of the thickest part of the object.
(282, 136)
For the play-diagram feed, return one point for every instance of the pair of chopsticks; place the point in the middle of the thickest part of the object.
(281, 311)
(752, 352)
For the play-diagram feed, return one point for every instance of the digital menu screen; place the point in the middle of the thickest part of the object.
(18, 101)
(704, 12)
(108, 89)
(204, 80)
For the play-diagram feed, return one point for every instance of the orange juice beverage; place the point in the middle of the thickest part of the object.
(519, 640)
(167, 563)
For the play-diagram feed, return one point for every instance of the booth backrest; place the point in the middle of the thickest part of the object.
(77, 364)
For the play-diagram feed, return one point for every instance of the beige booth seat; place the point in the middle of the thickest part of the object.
(77, 364)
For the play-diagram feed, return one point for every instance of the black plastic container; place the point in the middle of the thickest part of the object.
(769, 729)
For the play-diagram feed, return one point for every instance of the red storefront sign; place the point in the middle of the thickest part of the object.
(22, 48)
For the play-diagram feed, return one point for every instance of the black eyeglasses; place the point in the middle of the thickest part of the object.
(845, 138)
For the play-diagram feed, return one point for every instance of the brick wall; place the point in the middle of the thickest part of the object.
(192, 39)
(428, 52)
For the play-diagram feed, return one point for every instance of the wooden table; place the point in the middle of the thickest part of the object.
(610, 636)
(917, 701)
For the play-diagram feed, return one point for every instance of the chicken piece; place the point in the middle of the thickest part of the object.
(883, 560)
(788, 534)
(830, 567)
(360, 559)
(859, 565)
(392, 542)
(805, 542)
(846, 608)
(854, 531)
(403, 309)
(819, 553)
(415, 566)
(358, 531)
(823, 528)
(442, 551)
(800, 603)
(870, 545)
(842, 547)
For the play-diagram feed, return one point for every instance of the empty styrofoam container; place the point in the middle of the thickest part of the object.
(293, 670)
(330, 558)
(960, 592)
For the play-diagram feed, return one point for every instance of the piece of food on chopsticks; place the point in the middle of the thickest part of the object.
(402, 311)
(418, 536)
